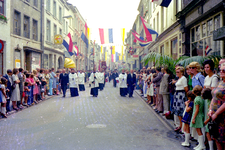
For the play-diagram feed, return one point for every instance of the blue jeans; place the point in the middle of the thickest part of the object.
(171, 101)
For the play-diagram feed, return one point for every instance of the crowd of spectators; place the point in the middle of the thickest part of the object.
(194, 97)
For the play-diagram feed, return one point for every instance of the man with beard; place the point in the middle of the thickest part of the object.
(94, 83)
(73, 83)
(123, 83)
(64, 81)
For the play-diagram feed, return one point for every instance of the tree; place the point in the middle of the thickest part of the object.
(170, 63)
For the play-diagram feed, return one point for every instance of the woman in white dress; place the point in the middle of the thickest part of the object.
(16, 91)
(150, 90)
(145, 83)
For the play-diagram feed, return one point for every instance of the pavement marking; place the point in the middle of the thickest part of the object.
(96, 126)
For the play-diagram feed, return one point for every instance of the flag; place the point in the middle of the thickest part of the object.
(113, 49)
(101, 49)
(84, 38)
(110, 35)
(117, 57)
(68, 44)
(207, 50)
(151, 34)
(88, 35)
(164, 3)
(76, 52)
(122, 51)
(106, 35)
(105, 55)
(123, 34)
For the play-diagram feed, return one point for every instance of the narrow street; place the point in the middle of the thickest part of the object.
(103, 123)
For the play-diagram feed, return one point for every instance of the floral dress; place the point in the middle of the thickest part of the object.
(218, 100)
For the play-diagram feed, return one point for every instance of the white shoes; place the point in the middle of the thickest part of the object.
(186, 142)
(201, 144)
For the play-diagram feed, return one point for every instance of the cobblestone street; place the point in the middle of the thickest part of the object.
(106, 122)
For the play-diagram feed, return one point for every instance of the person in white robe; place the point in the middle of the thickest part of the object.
(123, 83)
(93, 80)
(81, 77)
(101, 76)
(73, 83)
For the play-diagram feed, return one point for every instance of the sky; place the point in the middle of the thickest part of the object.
(114, 14)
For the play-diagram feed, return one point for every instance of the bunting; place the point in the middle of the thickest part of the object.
(164, 3)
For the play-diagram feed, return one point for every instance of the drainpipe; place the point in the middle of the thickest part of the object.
(42, 33)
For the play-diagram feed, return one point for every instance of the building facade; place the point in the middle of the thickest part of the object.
(5, 40)
(26, 34)
(202, 26)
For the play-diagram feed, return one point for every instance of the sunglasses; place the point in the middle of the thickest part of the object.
(192, 67)
(222, 70)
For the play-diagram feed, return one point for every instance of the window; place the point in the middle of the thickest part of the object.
(48, 31)
(162, 50)
(17, 23)
(35, 30)
(26, 27)
(2, 11)
(46, 61)
(66, 27)
(36, 3)
(174, 48)
(60, 14)
(55, 29)
(60, 31)
(49, 5)
(54, 8)
(202, 43)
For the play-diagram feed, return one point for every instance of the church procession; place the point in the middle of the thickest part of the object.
(120, 75)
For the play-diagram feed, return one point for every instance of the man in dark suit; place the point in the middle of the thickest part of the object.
(64, 81)
(131, 81)
(8, 76)
(114, 76)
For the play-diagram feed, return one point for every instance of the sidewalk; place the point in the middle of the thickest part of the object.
(24, 107)
(168, 122)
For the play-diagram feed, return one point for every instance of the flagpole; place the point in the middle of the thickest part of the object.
(94, 56)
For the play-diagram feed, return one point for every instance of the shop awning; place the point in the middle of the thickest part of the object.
(69, 63)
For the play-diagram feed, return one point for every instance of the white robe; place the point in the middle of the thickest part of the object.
(80, 78)
(92, 79)
(73, 80)
(123, 80)
(101, 77)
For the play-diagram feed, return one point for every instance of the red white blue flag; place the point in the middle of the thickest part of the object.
(76, 51)
(164, 3)
(207, 50)
(68, 44)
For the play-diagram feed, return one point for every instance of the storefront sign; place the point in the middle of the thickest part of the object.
(58, 39)
(17, 63)
(219, 34)
(1, 46)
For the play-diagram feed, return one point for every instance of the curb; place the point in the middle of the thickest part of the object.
(159, 116)
(14, 111)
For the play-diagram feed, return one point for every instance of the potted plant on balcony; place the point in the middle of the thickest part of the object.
(2, 17)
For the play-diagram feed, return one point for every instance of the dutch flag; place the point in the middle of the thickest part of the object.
(68, 44)
(207, 50)
(164, 3)
(76, 52)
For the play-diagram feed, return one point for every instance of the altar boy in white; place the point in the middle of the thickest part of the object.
(101, 76)
(93, 80)
(73, 83)
(123, 83)
(81, 77)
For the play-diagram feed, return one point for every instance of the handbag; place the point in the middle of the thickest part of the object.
(213, 129)
(13, 86)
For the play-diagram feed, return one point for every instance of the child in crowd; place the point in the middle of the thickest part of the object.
(27, 93)
(198, 116)
(3, 96)
(187, 117)
(207, 96)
